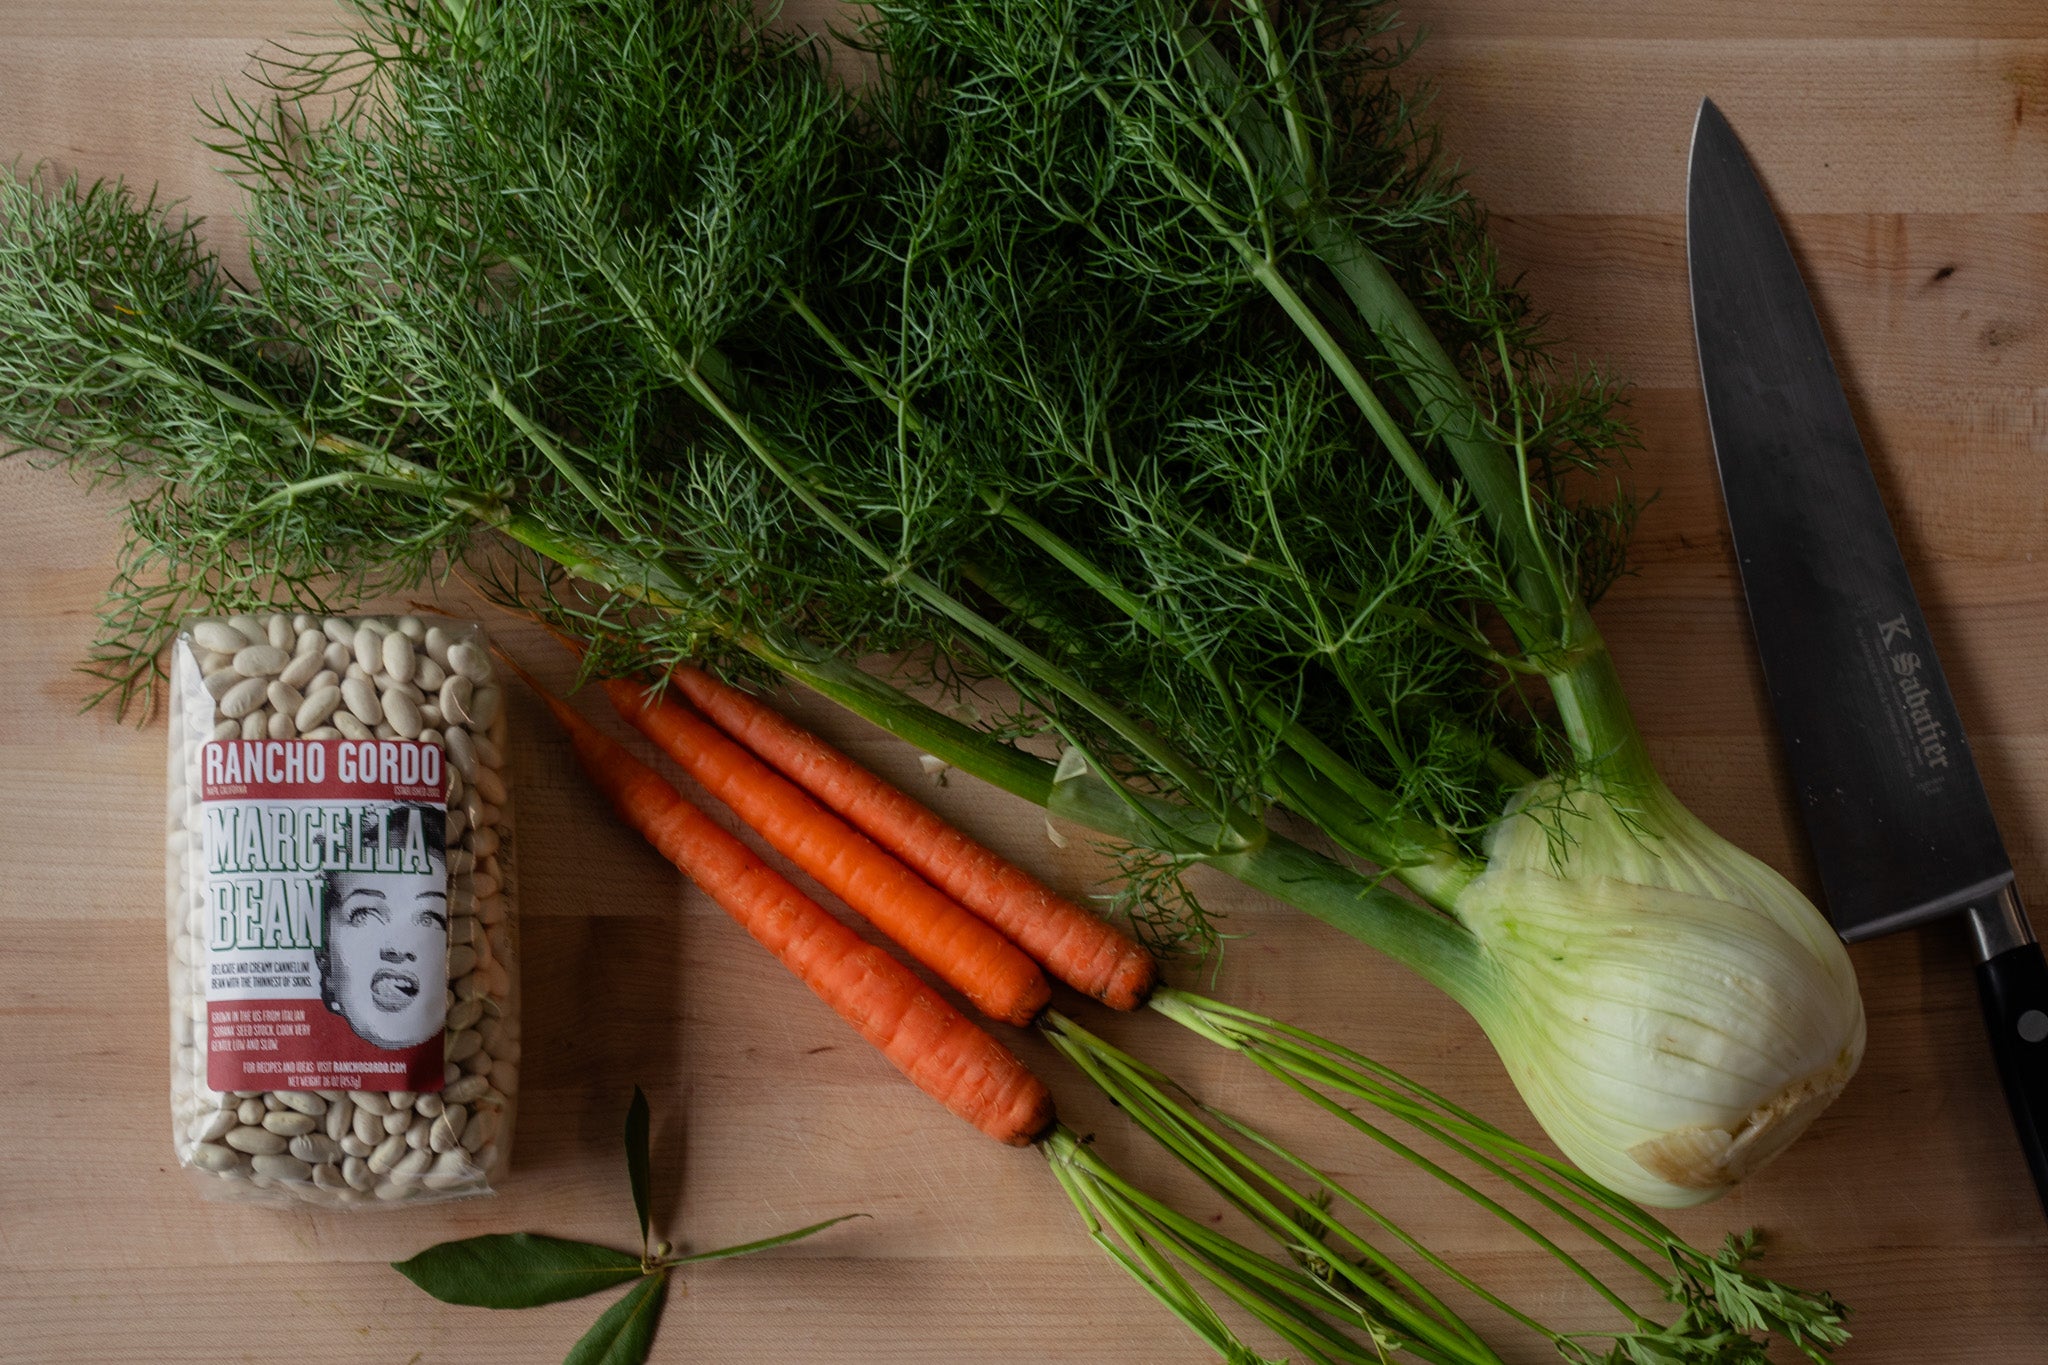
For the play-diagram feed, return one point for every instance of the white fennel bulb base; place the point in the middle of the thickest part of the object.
(1673, 1011)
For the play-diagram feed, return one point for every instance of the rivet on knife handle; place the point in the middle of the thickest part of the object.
(2013, 986)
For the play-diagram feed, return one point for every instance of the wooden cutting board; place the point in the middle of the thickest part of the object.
(1908, 143)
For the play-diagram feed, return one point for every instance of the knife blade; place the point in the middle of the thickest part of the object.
(1901, 829)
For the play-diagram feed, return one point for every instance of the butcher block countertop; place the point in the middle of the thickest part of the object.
(1908, 143)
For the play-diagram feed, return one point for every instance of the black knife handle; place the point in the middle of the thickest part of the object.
(2014, 989)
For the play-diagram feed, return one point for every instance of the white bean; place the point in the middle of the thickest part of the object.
(301, 670)
(412, 1165)
(369, 648)
(455, 696)
(317, 707)
(451, 1170)
(211, 1156)
(255, 1141)
(461, 747)
(244, 697)
(483, 1127)
(315, 1148)
(388, 1153)
(261, 661)
(470, 661)
(340, 1115)
(398, 656)
(280, 1166)
(388, 687)
(464, 1013)
(464, 1090)
(362, 701)
(219, 637)
(401, 711)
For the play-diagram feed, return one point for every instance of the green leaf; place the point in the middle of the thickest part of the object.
(637, 1162)
(517, 1270)
(780, 1239)
(625, 1331)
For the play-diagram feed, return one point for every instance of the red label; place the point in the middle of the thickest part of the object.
(326, 883)
(322, 769)
(303, 1045)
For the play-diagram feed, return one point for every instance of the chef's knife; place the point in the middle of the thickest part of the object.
(1900, 826)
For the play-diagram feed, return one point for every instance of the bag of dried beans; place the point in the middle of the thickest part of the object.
(344, 992)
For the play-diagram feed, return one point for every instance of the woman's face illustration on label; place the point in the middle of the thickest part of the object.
(387, 938)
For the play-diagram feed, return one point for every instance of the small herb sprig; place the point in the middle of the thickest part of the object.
(525, 1269)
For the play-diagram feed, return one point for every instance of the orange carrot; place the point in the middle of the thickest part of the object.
(972, 957)
(946, 1054)
(1076, 945)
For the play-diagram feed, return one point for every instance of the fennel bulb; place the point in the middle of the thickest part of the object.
(1672, 1010)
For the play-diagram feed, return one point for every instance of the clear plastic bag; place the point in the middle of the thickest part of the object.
(342, 911)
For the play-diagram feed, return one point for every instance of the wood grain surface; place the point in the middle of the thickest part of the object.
(1909, 145)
